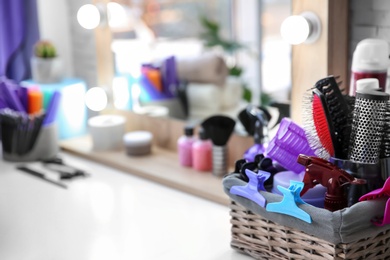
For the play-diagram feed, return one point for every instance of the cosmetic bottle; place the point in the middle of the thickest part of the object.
(184, 146)
(370, 60)
(202, 152)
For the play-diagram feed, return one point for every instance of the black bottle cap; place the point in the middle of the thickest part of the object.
(202, 134)
(189, 131)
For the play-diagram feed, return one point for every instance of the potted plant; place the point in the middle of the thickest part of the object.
(46, 66)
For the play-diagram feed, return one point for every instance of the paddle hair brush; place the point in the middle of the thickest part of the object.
(318, 125)
(340, 114)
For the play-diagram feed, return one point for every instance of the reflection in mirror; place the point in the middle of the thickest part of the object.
(193, 59)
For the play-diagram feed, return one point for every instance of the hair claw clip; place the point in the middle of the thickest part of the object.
(252, 188)
(383, 192)
(290, 202)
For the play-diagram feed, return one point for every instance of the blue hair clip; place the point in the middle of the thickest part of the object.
(290, 202)
(252, 188)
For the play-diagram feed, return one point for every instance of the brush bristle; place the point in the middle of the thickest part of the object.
(311, 130)
(321, 125)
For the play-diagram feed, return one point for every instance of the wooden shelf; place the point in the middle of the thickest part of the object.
(160, 166)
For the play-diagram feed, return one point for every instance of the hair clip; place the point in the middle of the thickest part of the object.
(383, 192)
(291, 200)
(252, 188)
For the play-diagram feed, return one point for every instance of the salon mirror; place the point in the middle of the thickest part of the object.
(257, 60)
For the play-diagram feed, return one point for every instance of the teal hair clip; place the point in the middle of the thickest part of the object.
(290, 202)
(252, 188)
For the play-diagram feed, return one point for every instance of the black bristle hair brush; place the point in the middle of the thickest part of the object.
(340, 113)
(218, 128)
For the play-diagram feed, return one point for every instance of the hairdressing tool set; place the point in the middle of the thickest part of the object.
(54, 171)
(352, 132)
(28, 131)
(343, 146)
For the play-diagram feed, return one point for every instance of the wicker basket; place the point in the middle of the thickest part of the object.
(264, 239)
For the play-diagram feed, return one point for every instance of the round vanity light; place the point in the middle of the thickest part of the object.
(117, 16)
(303, 28)
(88, 16)
(96, 99)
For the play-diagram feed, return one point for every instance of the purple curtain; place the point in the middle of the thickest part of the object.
(18, 33)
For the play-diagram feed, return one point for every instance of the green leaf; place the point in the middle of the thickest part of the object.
(247, 94)
(210, 25)
(235, 71)
(265, 99)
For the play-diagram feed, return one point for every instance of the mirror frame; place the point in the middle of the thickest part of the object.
(327, 56)
(310, 62)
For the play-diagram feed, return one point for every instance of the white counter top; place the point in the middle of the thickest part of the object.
(109, 215)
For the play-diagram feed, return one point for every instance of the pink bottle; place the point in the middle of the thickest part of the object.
(184, 146)
(202, 153)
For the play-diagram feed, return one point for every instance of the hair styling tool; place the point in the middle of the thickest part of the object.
(318, 125)
(40, 175)
(238, 166)
(385, 146)
(8, 125)
(368, 126)
(291, 200)
(252, 188)
(260, 132)
(219, 129)
(289, 141)
(19, 131)
(340, 114)
(373, 174)
(320, 171)
(65, 171)
(383, 192)
(248, 119)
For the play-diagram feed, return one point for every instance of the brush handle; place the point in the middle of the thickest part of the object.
(220, 160)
